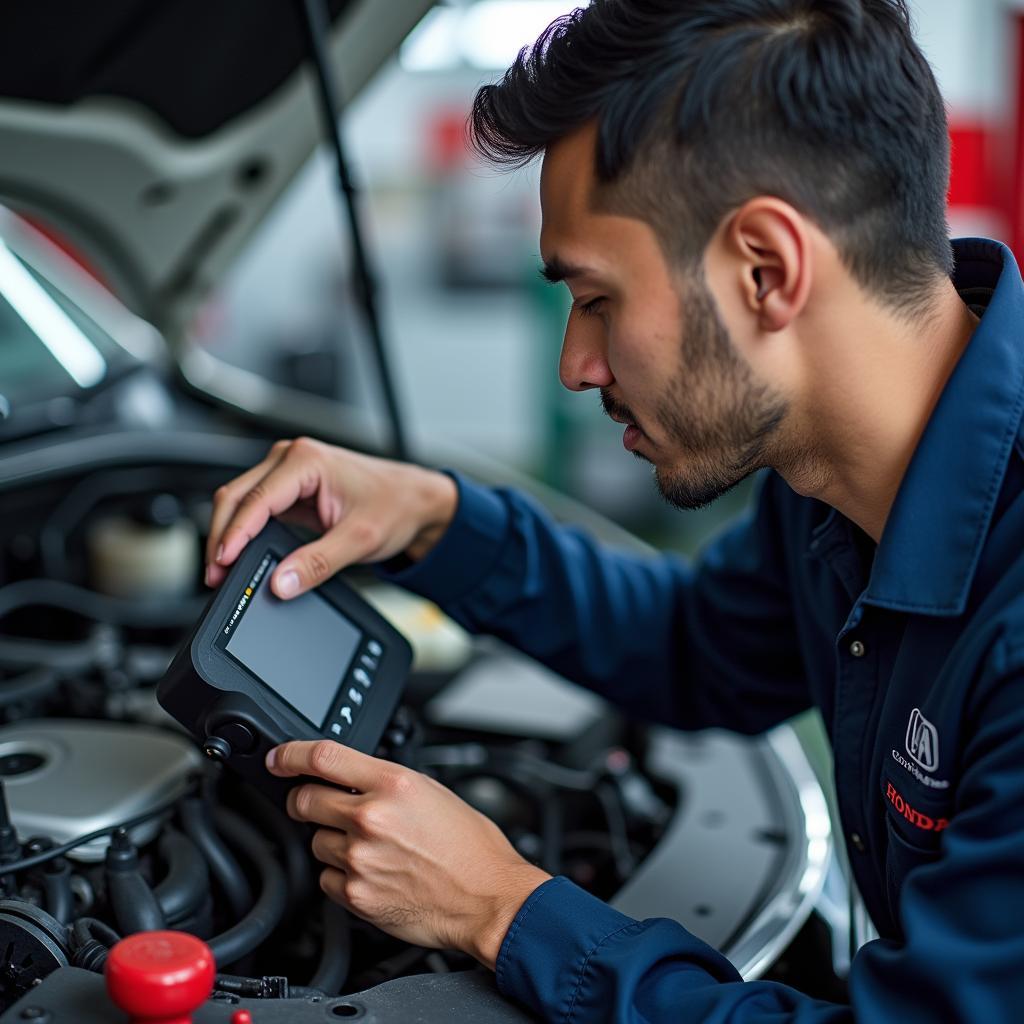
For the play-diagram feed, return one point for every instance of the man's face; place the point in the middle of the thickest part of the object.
(651, 339)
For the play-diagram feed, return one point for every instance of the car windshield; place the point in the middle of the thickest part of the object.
(49, 346)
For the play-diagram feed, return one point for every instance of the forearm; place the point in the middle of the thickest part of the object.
(597, 617)
(571, 958)
(660, 639)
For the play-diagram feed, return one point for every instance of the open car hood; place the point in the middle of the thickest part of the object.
(153, 138)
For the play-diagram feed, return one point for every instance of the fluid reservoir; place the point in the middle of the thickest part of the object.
(150, 550)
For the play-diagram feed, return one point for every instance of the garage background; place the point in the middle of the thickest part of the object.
(474, 332)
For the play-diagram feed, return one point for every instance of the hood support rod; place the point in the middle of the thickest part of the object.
(316, 24)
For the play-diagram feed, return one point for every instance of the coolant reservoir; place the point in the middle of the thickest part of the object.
(151, 551)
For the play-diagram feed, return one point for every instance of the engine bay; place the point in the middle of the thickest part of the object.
(113, 822)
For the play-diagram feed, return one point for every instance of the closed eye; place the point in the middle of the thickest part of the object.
(591, 308)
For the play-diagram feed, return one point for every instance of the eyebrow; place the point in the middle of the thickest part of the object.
(555, 270)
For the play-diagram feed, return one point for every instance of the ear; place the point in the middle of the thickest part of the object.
(769, 244)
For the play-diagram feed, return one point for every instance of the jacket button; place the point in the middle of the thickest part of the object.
(857, 842)
(857, 649)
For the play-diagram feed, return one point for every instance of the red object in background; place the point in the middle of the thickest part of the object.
(160, 977)
(982, 187)
(1016, 198)
(241, 1017)
(446, 140)
(66, 247)
(972, 178)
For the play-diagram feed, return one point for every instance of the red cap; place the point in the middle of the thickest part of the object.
(160, 977)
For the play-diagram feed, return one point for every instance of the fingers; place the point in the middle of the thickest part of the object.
(331, 847)
(322, 805)
(327, 760)
(282, 485)
(333, 883)
(367, 510)
(225, 504)
(309, 566)
(278, 491)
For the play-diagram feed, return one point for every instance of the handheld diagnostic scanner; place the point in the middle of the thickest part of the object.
(257, 671)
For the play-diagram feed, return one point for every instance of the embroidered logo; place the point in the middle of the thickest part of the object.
(923, 741)
(914, 816)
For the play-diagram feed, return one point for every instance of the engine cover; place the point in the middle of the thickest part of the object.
(66, 778)
(71, 996)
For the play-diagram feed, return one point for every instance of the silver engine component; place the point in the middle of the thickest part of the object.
(65, 779)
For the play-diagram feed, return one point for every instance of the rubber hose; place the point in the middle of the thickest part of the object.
(551, 832)
(199, 924)
(91, 940)
(135, 907)
(199, 827)
(132, 900)
(91, 604)
(336, 956)
(298, 857)
(293, 840)
(30, 685)
(266, 913)
(58, 656)
(187, 884)
(618, 829)
(60, 901)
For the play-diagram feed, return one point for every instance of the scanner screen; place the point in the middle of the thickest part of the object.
(300, 648)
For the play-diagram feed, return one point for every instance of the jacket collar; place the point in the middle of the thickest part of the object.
(929, 551)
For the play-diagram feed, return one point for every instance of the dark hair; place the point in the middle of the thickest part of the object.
(703, 104)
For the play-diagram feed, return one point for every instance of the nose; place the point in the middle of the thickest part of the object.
(584, 363)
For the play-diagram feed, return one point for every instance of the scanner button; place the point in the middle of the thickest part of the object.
(336, 728)
(370, 663)
(346, 714)
(239, 736)
(360, 676)
(375, 648)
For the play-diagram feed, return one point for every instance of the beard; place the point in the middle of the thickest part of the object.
(716, 416)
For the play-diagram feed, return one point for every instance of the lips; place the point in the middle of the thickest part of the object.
(614, 410)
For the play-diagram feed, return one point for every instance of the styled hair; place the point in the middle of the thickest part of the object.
(701, 105)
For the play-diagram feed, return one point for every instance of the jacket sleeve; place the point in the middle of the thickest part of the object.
(960, 959)
(692, 646)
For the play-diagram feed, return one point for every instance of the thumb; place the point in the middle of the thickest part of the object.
(312, 564)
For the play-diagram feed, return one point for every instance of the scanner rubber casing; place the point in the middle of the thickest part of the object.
(212, 694)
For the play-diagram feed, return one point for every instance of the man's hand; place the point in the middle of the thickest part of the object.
(368, 510)
(404, 852)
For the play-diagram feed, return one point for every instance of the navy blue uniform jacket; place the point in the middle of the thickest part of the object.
(914, 653)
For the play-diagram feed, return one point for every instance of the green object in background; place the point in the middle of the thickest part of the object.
(551, 307)
(811, 730)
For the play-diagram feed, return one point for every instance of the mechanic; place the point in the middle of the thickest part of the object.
(747, 200)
